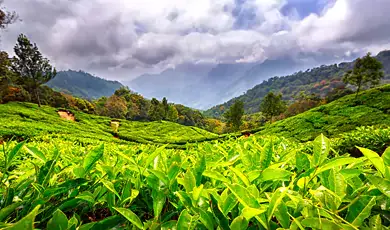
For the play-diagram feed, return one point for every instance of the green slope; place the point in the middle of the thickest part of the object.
(27, 121)
(371, 108)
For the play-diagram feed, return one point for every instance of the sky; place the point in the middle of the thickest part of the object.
(121, 39)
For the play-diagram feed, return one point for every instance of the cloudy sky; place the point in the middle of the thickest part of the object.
(120, 39)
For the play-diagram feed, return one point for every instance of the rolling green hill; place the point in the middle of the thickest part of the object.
(27, 121)
(320, 80)
(81, 84)
(371, 108)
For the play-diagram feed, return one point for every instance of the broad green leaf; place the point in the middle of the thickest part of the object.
(249, 213)
(240, 175)
(196, 193)
(185, 220)
(321, 149)
(173, 171)
(375, 159)
(276, 200)
(26, 223)
(110, 186)
(36, 153)
(5, 212)
(11, 154)
(320, 223)
(216, 176)
(130, 216)
(107, 223)
(336, 162)
(58, 222)
(199, 168)
(302, 161)
(152, 156)
(360, 210)
(221, 219)
(239, 223)
(337, 183)
(376, 222)
(92, 157)
(282, 215)
(184, 198)
(207, 219)
(266, 155)
(275, 174)
(87, 196)
(160, 175)
(386, 157)
(243, 196)
(189, 181)
(230, 202)
(382, 184)
(158, 197)
(79, 172)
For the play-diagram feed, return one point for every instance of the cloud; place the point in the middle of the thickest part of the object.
(132, 37)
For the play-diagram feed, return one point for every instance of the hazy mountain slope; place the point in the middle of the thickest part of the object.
(81, 84)
(319, 80)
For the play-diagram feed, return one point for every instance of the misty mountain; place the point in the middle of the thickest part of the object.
(320, 80)
(82, 84)
(202, 86)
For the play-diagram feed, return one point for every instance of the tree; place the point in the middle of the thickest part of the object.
(116, 107)
(172, 114)
(6, 17)
(165, 107)
(32, 67)
(156, 111)
(272, 105)
(234, 114)
(366, 70)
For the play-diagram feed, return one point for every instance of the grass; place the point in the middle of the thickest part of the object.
(346, 114)
(27, 121)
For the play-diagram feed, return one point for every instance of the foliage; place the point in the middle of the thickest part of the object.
(31, 66)
(116, 107)
(156, 111)
(248, 183)
(343, 115)
(366, 70)
(234, 115)
(303, 103)
(272, 105)
(337, 93)
(6, 17)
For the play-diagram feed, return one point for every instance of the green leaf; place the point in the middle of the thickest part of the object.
(92, 157)
(87, 196)
(321, 149)
(130, 216)
(230, 202)
(173, 171)
(160, 175)
(79, 172)
(110, 187)
(207, 219)
(13, 152)
(184, 221)
(240, 175)
(216, 176)
(152, 156)
(58, 222)
(382, 184)
(221, 219)
(302, 161)
(159, 198)
(282, 215)
(337, 183)
(386, 157)
(376, 222)
(107, 223)
(320, 223)
(239, 223)
(276, 200)
(36, 153)
(275, 174)
(249, 213)
(27, 222)
(266, 155)
(169, 225)
(189, 181)
(360, 210)
(375, 159)
(196, 193)
(5, 212)
(243, 195)
(335, 162)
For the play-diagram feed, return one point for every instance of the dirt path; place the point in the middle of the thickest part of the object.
(66, 115)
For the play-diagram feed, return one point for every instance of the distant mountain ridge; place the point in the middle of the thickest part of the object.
(82, 84)
(319, 80)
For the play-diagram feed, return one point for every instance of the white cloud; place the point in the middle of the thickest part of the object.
(131, 37)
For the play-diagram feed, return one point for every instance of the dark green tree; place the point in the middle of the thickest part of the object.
(156, 111)
(366, 70)
(6, 17)
(33, 68)
(234, 115)
(165, 107)
(272, 105)
(172, 114)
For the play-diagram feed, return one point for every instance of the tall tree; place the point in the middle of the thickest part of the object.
(165, 107)
(29, 63)
(366, 70)
(234, 115)
(272, 105)
(6, 17)
(156, 111)
(116, 107)
(172, 114)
